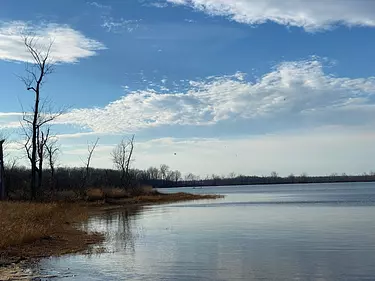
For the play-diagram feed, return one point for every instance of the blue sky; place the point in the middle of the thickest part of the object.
(207, 86)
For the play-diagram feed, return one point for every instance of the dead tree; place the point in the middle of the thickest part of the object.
(176, 176)
(90, 149)
(153, 173)
(122, 157)
(41, 66)
(52, 151)
(119, 156)
(43, 137)
(164, 170)
(11, 163)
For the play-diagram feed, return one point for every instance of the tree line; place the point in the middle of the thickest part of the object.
(77, 179)
(274, 178)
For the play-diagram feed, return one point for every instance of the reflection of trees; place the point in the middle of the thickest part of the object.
(118, 226)
(120, 230)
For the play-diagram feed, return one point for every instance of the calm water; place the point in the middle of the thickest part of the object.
(290, 232)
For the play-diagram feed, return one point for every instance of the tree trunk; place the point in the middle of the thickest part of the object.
(53, 181)
(34, 146)
(123, 178)
(2, 183)
(40, 176)
(128, 181)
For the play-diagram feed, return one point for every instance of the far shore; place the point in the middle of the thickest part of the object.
(264, 181)
(31, 231)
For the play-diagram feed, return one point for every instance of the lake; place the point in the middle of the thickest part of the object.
(278, 232)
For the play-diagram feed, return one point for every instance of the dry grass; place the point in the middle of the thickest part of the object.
(147, 196)
(94, 194)
(157, 197)
(115, 193)
(24, 223)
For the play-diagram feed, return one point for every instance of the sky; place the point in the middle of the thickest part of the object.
(206, 86)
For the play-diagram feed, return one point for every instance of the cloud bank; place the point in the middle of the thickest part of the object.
(291, 91)
(69, 45)
(310, 15)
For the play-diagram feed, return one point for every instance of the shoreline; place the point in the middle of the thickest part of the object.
(222, 183)
(65, 238)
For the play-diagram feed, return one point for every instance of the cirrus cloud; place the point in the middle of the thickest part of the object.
(310, 15)
(69, 45)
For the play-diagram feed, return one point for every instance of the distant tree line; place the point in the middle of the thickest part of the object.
(17, 179)
(216, 180)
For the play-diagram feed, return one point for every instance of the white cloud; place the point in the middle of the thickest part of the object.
(119, 25)
(190, 20)
(10, 125)
(10, 120)
(69, 45)
(76, 135)
(293, 89)
(99, 5)
(157, 5)
(10, 114)
(311, 15)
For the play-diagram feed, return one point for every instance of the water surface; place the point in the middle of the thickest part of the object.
(281, 232)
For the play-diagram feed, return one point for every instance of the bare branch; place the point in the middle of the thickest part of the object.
(90, 149)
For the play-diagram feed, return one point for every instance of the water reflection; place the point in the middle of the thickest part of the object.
(228, 240)
(118, 226)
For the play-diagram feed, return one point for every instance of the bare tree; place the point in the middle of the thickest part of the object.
(190, 177)
(153, 173)
(52, 151)
(122, 157)
(43, 137)
(170, 176)
(41, 66)
(176, 176)
(274, 175)
(119, 158)
(90, 149)
(164, 171)
(131, 143)
(11, 163)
